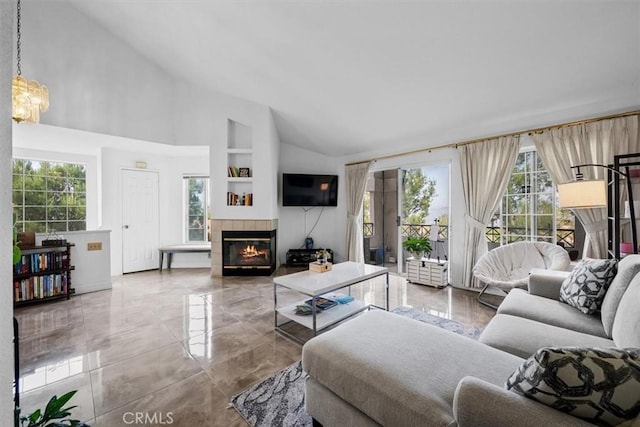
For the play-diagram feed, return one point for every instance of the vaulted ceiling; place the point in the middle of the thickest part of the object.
(347, 77)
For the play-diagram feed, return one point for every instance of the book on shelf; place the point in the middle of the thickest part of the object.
(303, 310)
(234, 199)
(37, 262)
(322, 303)
(38, 287)
(234, 172)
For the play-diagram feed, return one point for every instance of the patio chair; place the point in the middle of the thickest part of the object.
(508, 266)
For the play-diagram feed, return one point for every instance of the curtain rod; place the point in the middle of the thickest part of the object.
(477, 140)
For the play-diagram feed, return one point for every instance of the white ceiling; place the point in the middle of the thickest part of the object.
(384, 76)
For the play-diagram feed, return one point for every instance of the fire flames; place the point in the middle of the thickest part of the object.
(252, 254)
(250, 251)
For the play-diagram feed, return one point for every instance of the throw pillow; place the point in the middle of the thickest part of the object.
(587, 284)
(601, 385)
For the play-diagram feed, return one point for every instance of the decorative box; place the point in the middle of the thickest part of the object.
(320, 268)
(26, 239)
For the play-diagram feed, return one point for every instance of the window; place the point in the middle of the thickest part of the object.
(529, 207)
(196, 190)
(49, 196)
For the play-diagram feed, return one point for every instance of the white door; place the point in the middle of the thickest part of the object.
(140, 224)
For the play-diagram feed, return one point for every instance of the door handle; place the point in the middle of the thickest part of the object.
(126, 227)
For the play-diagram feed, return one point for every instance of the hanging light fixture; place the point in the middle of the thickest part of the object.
(28, 97)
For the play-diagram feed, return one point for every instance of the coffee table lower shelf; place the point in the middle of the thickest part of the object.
(324, 318)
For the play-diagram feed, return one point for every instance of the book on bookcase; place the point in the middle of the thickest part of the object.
(42, 273)
(234, 199)
(38, 287)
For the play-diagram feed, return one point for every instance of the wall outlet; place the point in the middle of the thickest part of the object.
(94, 246)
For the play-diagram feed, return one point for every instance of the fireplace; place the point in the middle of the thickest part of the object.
(248, 253)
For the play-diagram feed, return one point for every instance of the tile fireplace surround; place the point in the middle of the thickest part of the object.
(218, 225)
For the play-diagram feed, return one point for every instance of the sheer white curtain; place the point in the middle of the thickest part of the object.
(356, 183)
(595, 142)
(486, 169)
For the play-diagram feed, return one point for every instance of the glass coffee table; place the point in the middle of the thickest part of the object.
(324, 285)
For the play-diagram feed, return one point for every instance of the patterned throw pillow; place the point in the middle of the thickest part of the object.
(601, 385)
(587, 284)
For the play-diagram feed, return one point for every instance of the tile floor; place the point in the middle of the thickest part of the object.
(179, 342)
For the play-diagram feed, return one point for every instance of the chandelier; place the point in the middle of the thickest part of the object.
(28, 97)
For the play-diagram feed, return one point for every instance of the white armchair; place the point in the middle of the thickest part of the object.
(508, 266)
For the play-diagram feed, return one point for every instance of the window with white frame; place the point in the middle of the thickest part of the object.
(196, 224)
(49, 196)
(529, 209)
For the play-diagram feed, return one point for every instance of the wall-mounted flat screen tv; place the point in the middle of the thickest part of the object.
(309, 190)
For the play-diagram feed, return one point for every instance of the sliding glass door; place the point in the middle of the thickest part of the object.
(424, 209)
(405, 202)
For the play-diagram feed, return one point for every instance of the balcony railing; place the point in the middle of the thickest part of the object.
(424, 230)
(367, 229)
(564, 236)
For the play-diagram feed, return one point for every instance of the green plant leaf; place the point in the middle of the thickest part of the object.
(17, 254)
(55, 404)
(59, 414)
(34, 417)
(417, 244)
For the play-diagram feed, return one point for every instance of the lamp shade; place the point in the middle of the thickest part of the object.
(583, 194)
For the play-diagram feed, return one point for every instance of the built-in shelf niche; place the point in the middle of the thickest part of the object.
(239, 164)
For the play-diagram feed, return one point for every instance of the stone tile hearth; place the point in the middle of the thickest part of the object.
(219, 225)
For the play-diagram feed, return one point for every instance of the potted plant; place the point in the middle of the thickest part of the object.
(417, 246)
(322, 256)
(17, 252)
(53, 411)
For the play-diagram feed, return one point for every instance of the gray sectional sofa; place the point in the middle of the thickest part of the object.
(384, 369)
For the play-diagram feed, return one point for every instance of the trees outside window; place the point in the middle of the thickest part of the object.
(529, 206)
(197, 208)
(419, 191)
(49, 196)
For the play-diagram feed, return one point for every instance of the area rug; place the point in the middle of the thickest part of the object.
(279, 400)
(449, 325)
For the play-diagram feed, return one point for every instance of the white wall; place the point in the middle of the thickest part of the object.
(171, 169)
(6, 221)
(104, 156)
(99, 83)
(264, 143)
(331, 229)
(96, 82)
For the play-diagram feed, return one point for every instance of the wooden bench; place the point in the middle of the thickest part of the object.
(184, 248)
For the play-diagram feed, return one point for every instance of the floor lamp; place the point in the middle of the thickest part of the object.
(583, 194)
